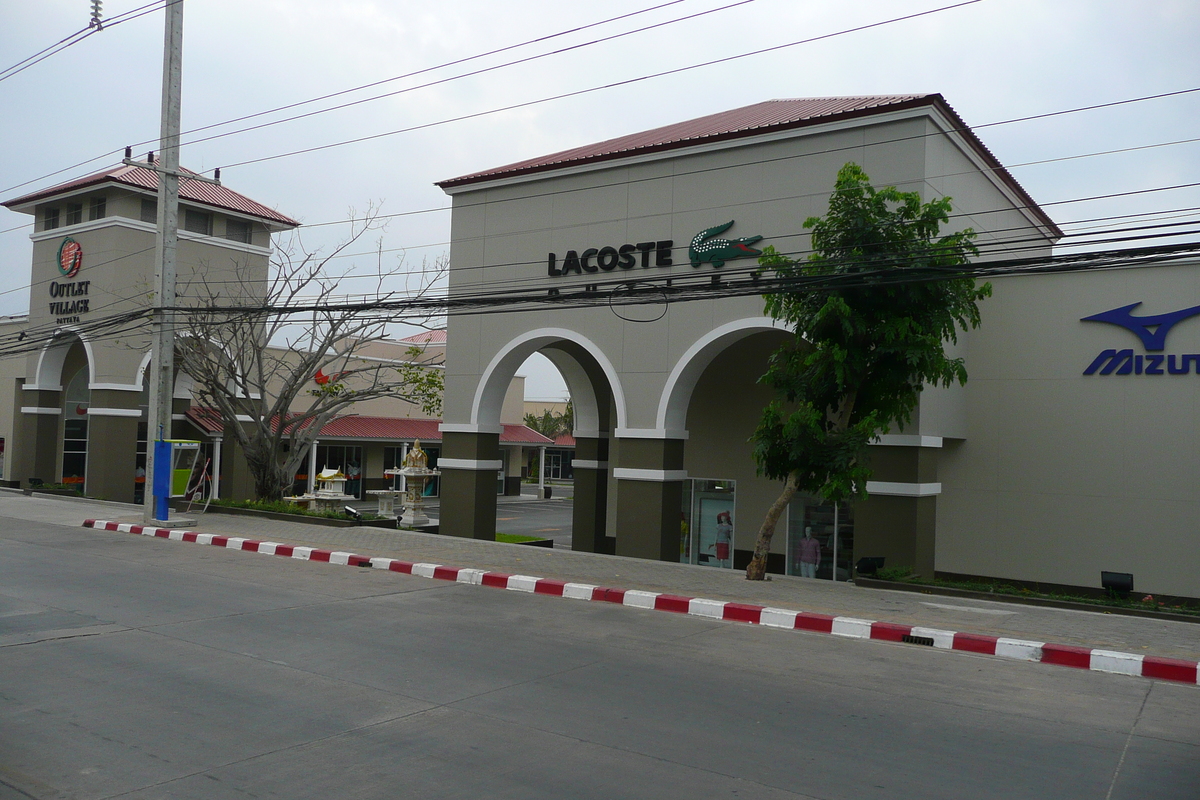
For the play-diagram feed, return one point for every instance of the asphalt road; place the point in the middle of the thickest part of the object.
(142, 668)
(544, 519)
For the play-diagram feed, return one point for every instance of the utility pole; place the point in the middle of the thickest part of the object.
(162, 359)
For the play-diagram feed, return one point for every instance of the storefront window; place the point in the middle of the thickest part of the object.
(707, 522)
(75, 429)
(433, 485)
(812, 547)
(139, 466)
(348, 459)
(393, 458)
(558, 464)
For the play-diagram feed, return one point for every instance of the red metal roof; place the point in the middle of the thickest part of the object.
(399, 428)
(768, 116)
(209, 421)
(427, 337)
(210, 194)
(520, 434)
(564, 440)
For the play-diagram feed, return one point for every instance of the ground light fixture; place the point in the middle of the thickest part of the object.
(1120, 583)
(869, 565)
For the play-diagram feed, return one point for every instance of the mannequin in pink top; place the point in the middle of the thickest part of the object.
(810, 555)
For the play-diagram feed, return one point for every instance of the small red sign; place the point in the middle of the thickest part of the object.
(70, 257)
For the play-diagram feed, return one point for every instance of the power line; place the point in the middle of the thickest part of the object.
(79, 36)
(356, 88)
(862, 274)
(612, 85)
(1132, 148)
(460, 76)
(539, 278)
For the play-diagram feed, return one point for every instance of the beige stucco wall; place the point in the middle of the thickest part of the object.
(502, 233)
(1063, 475)
(12, 373)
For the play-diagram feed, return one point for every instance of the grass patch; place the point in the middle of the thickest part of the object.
(516, 538)
(284, 507)
(73, 488)
(1139, 601)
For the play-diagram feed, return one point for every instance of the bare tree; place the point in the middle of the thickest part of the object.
(276, 376)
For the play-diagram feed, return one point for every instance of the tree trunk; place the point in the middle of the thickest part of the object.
(269, 482)
(756, 570)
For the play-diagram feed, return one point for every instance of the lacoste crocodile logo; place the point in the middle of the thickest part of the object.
(1152, 330)
(705, 247)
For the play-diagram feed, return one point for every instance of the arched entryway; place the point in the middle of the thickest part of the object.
(715, 395)
(470, 452)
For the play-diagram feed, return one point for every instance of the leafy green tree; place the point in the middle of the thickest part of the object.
(884, 294)
(552, 424)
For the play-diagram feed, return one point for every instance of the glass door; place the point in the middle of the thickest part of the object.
(75, 430)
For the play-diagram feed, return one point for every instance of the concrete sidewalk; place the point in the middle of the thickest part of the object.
(1166, 638)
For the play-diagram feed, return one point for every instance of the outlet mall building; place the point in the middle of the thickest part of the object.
(1072, 450)
(73, 410)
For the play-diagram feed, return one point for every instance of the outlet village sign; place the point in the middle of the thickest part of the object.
(705, 246)
(69, 300)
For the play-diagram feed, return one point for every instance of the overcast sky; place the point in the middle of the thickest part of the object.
(993, 60)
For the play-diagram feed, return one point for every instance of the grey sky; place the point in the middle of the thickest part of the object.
(993, 60)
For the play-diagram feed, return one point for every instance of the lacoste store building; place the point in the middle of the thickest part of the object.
(1073, 449)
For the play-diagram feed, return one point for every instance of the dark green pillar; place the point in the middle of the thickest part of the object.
(590, 468)
(468, 463)
(36, 440)
(113, 418)
(650, 479)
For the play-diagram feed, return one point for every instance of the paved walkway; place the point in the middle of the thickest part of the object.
(1084, 628)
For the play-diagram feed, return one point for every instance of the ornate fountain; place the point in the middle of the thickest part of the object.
(416, 474)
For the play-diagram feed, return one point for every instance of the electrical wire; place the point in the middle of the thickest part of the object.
(614, 84)
(79, 36)
(460, 76)
(996, 243)
(354, 89)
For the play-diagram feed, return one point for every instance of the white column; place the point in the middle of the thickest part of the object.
(403, 455)
(216, 468)
(835, 541)
(542, 471)
(312, 467)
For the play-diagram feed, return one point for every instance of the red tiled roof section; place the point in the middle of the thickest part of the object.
(210, 194)
(426, 337)
(207, 420)
(520, 434)
(383, 428)
(745, 121)
(765, 117)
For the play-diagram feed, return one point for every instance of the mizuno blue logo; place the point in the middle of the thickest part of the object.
(1151, 330)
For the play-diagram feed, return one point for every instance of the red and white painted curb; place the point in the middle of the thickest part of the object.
(1169, 669)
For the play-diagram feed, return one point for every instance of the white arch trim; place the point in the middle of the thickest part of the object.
(139, 377)
(54, 354)
(677, 393)
(493, 383)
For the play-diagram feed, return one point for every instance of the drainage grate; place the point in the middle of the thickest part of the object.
(925, 640)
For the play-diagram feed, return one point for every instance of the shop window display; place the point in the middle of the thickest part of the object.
(707, 523)
(812, 546)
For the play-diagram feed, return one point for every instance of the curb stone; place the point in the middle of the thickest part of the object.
(1096, 660)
